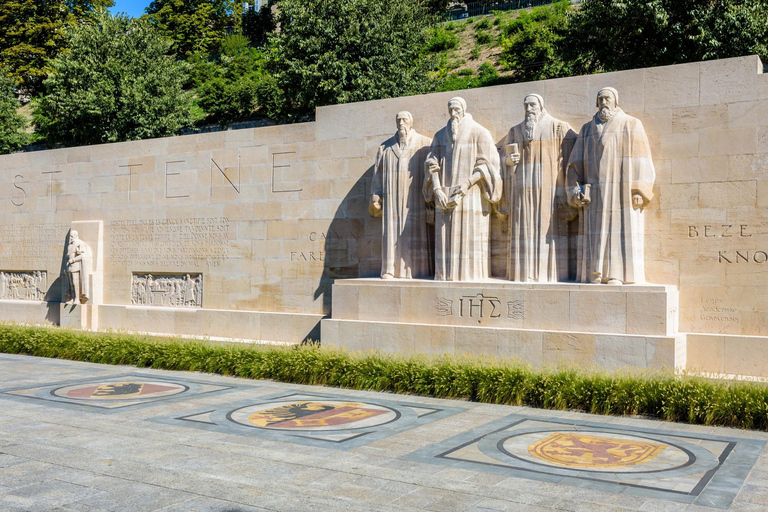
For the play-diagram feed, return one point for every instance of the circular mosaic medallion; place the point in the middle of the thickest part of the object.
(120, 390)
(313, 415)
(596, 451)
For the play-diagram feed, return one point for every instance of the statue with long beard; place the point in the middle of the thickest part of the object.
(610, 179)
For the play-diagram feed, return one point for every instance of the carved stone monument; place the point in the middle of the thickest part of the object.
(396, 196)
(535, 153)
(610, 179)
(464, 183)
(273, 226)
(79, 267)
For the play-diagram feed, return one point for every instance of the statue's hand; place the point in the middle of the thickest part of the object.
(375, 207)
(512, 159)
(464, 188)
(441, 199)
(637, 201)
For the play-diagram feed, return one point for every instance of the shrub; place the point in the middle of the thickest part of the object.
(441, 40)
(483, 37)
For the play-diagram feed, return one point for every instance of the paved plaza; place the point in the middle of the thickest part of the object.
(86, 437)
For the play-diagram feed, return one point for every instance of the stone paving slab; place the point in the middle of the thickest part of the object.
(184, 442)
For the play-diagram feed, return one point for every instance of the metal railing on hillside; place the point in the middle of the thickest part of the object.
(471, 9)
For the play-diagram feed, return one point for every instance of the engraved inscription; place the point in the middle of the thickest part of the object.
(23, 285)
(170, 242)
(713, 311)
(20, 195)
(758, 257)
(479, 306)
(169, 290)
(275, 166)
(34, 246)
(516, 309)
(719, 231)
(444, 306)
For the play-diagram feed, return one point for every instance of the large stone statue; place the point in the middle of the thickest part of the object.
(463, 181)
(396, 196)
(78, 269)
(535, 153)
(610, 178)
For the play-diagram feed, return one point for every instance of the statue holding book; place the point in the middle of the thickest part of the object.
(464, 183)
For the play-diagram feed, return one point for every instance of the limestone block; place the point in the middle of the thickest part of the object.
(650, 313)
(598, 312)
(732, 141)
(29, 312)
(547, 309)
(618, 352)
(705, 353)
(526, 346)
(729, 78)
(728, 194)
(574, 349)
(673, 86)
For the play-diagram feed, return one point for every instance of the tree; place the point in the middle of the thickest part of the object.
(195, 25)
(12, 134)
(258, 25)
(226, 84)
(531, 43)
(116, 83)
(32, 32)
(339, 51)
(610, 35)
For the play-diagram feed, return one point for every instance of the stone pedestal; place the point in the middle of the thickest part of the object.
(607, 326)
(76, 316)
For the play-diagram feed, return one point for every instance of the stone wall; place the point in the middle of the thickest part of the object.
(271, 216)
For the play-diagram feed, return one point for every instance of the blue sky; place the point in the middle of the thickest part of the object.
(133, 8)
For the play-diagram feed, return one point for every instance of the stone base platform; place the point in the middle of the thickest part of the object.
(212, 323)
(567, 307)
(610, 351)
(585, 324)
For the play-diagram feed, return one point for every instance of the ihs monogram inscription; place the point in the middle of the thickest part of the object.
(480, 306)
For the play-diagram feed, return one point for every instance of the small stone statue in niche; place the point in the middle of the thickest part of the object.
(78, 269)
(396, 197)
(535, 154)
(463, 181)
(610, 179)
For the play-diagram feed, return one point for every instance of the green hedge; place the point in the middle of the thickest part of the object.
(665, 396)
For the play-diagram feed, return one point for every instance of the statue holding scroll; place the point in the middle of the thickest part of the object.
(464, 183)
(396, 197)
(610, 179)
(535, 154)
(78, 268)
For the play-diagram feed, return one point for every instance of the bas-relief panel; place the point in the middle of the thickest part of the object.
(23, 285)
(169, 290)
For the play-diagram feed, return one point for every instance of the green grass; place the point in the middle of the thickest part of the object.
(661, 395)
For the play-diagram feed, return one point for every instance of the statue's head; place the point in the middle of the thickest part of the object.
(457, 107)
(404, 122)
(607, 102)
(533, 104)
(73, 235)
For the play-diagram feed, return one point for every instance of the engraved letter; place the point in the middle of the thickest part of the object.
(692, 233)
(721, 257)
(23, 192)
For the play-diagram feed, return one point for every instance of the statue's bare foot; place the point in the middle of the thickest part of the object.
(614, 282)
(387, 276)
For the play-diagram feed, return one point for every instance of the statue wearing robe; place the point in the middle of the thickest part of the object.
(535, 198)
(612, 156)
(467, 159)
(396, 196)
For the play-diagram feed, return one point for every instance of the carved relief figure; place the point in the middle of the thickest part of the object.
(535, 153)
(610, 178)
(396, 197)
(167, 290)
(463, 181)
(77, 270)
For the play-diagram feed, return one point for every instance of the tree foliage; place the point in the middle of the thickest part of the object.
(610, 35)
(339, 51)
(33, 31)
(532, 43)
(116, 83)
(226, 84)
(195, 25)
(12, 125)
